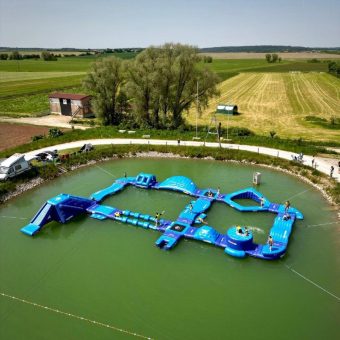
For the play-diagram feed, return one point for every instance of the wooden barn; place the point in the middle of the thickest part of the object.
(229, 109)
(68, 104)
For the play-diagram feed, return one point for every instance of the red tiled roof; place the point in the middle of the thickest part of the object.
(68, 96)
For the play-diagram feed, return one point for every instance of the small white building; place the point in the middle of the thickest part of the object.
(13, 166)
(229, 109)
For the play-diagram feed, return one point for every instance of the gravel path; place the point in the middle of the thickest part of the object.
(50, 120)
(322, 164)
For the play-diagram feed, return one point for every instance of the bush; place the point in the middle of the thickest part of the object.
(6, 187)
(207, 59)
(55, 132)
(37, 137)
(31, 56)
(314, 60)
(48, 56)
(241, 132)
(272, 133)
(48, 171)
(315, 119)
(90, 122)
(15, 55)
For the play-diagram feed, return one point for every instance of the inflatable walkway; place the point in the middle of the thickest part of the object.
(238, 241)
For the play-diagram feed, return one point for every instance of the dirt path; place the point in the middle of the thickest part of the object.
(50, 120)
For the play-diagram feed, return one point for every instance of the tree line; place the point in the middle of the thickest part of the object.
(154, 90)
(15, 55)
(334, 68)
(272, 58)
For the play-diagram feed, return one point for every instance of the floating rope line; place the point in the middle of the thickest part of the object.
(298, 194)
(109, 173)
(97, 323)
(312, 282)
(20, 218)
(322, 224)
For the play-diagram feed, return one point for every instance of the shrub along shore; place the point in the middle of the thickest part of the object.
(38, 175)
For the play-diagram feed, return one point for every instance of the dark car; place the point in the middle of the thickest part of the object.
(86, 148)
(47, 156)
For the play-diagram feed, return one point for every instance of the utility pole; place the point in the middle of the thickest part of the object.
(196, 108)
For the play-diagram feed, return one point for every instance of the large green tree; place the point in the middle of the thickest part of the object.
(142, 85)
(162, 84)
(105, 80)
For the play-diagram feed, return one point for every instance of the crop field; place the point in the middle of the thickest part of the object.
(227, 68)
(275, 97)
(18, 76)
(33, 86)
(25, 84)
(284, 56)
(280, 102)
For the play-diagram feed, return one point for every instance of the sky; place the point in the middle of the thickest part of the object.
(141, 23)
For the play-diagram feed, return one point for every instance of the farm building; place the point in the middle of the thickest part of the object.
(229, 109)
(68, 104)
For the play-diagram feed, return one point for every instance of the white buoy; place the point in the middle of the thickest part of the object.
(257, 178)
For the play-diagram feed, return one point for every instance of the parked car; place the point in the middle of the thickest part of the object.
(13, 166)
(47, 156)
(86, 147)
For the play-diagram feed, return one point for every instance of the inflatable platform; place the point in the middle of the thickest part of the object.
(238, 241)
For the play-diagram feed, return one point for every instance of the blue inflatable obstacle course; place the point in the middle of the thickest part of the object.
(60, 208)
(237, 242)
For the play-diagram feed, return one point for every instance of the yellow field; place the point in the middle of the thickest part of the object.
(279, 102)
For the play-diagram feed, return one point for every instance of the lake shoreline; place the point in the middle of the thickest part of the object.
(35, 182)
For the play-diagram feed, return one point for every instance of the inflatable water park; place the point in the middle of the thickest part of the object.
(238, 240)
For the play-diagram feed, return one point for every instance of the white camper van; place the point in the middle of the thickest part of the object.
(13, 166)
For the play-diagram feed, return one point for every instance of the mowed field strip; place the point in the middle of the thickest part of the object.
(279, 102)
(35, 85)
(17, 76)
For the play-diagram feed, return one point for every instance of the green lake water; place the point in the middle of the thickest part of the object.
(112, 273)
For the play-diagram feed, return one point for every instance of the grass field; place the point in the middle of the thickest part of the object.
(33, 86)
(65, 64)
(270, 96)
(279, 102)
(29, 105)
